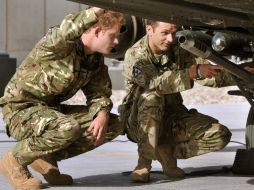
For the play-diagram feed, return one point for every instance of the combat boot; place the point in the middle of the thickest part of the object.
(17, 174)
(168, 162)
(48, 167)
(142, 171)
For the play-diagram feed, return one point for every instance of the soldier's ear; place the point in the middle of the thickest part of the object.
(149, 29)
(97, 30)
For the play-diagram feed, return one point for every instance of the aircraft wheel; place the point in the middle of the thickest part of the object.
(249, 135)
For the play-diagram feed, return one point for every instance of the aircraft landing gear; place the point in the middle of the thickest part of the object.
(244, 159)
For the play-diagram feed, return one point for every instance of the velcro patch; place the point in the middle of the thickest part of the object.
(136, 71)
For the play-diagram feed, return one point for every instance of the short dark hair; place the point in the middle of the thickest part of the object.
(152, 23)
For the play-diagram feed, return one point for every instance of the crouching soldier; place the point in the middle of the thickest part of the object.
(68, 58)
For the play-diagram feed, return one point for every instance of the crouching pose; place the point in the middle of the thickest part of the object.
(68, 58)
(156, 70)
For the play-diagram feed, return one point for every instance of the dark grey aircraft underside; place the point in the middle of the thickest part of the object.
(219, 13)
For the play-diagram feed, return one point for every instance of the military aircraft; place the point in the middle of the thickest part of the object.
(213, 29)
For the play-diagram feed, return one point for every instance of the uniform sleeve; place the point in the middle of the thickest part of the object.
(98, 91)
(171, 82)
(59, 41)
(74, 25)
(223, 79)
(145, 74)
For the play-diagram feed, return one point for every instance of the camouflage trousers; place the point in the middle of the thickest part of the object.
(189, 132)
(41, 131)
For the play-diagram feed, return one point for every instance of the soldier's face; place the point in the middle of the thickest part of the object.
(108, 39)
(161, 36)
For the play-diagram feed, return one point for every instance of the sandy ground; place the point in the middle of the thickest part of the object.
(196, 96)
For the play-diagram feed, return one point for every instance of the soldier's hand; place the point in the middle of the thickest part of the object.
(205, 71)
(250, 69)
(98, 127)
(208, 70)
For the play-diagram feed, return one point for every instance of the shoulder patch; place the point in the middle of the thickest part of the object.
(136, 71)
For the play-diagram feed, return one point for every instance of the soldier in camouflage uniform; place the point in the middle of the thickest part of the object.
(67, 59)
(156, 70)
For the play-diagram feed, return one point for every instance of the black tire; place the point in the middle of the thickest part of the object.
(249, 135)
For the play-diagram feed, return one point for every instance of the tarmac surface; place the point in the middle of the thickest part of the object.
(109, 166)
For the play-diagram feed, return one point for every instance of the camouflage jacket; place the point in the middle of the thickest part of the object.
(57, 68)
(166, 73)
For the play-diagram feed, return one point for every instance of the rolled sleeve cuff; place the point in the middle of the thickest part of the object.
(105, 105)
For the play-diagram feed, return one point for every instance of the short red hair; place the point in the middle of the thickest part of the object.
(109, 19)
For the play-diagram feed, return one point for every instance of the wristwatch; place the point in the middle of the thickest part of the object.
(198, 72)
